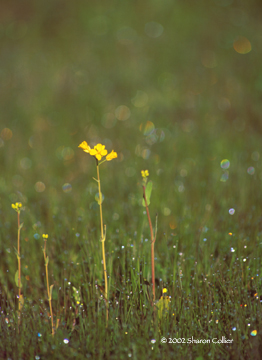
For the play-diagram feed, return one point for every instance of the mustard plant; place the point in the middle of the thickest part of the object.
(147, 190)
(99, 152)
(49, 289)
(17, 207)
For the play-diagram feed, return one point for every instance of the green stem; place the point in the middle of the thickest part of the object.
(103, 238)
(152, 244)
(19, 264)
(48, 290)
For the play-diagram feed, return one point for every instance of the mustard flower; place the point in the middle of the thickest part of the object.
(84, 145)
(45, 236)
(144, 173)
(99, 151)
(111, 156)
(17, 206)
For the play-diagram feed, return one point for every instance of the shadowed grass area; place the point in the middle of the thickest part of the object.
(173, 87)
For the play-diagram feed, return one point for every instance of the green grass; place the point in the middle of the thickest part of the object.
(65, 69)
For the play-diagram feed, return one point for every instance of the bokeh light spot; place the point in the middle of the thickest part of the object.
(122, 112)
(147, 128)
(225, 164)
(39, 186)
(67, 153)
(242, 45)
(67, 188)
(153, 29)
(6, 134)
(25, 163)
(253, 333)
(231, 211)
(166, 211)
(224, 177)
(145, 153)
(251, 170)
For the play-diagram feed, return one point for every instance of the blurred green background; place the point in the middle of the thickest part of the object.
(174, 87)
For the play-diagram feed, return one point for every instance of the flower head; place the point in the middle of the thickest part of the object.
(111, 156)
(99, 151)
(17, 206)
(45, 236)
(144, 173)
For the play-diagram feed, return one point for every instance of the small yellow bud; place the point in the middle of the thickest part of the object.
(144, 173)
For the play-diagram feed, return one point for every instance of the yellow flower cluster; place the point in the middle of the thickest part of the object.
(45, 236)
(144, 173)
(99, 151)
(17, 206)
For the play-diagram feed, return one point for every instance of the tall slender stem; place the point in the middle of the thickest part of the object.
(152, 244)
(48, 290)
(103, 238)
(19, 263)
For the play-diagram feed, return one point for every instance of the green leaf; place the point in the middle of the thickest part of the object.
(20, 227)
(148, 192)
(46, 260)
(16, 279)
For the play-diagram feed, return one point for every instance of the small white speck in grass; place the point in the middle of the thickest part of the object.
(66, 341)
(231, 211)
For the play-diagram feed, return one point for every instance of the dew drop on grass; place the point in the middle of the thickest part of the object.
(129, 355)
(37, 357)
(153, 341)
(36, 236)
(232, 250)
(253, 333)
(66, 341)
(39, 335)
(234, 328)
(231, 211)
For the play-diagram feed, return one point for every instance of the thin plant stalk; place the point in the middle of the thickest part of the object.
(103, 238)
(153, 239)
(48, 288)
(19, 263)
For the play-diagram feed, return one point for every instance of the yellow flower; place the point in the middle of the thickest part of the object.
(17, 206)
(144, 173)
(85, 146)
(111, 156)
(45, 236)
(99, 151)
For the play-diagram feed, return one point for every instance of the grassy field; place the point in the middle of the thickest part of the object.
(174, 87)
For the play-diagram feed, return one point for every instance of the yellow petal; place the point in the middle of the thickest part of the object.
(84, 146)
(93, 152)
(98, 156)
(111, 156)
(13, 206)
(99, 147)
(103, 152)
